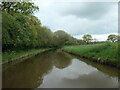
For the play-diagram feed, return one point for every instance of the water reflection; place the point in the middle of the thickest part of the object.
(29, 73)
(78, 75)
(56, 69)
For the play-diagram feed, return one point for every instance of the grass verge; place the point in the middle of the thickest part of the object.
(105, 51)
(7, 56)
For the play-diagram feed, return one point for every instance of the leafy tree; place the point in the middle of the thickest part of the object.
(19, 7)
(9, 30)
(72, 41)
(45, 37)
(34, 26)
(20, 28)
(20, 31)
(60, 37)
(87, 38)
(112, 38)
(81, 42)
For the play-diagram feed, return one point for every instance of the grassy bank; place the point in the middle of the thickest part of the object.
(104, 51)
(6, 56)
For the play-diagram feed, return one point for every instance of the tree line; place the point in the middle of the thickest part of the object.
(21, 30)
(111, 38)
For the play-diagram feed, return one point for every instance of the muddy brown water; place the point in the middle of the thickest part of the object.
(57, 69)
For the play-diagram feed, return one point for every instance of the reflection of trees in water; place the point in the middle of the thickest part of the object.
(29, 73)
(61, 60)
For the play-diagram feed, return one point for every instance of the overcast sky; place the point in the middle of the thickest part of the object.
(79, 18)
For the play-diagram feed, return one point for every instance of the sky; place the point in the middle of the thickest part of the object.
(99, 19)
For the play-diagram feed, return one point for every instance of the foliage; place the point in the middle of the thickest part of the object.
(19, 26)
(16, 34)
(87, 38)
(112, 38)
(59, 39)
(45, 37)
(72, 41)
(19, 7)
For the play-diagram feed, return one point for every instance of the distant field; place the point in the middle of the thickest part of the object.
(105, 50)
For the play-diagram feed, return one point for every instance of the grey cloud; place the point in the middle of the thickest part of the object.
(90, 10)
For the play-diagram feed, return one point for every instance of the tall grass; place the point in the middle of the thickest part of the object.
(105, 50)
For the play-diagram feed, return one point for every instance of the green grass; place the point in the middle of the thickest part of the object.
(105, 50)
(14, 54)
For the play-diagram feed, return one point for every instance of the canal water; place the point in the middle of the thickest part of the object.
(57, 69)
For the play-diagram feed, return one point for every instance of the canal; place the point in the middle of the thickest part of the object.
(57, 69)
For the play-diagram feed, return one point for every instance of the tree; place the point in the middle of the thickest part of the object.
(19, 7)
(60, 37)
(72, 41)
(112, 38)
(45, 37)
(87, 38)
(19, 31)
(81, 42)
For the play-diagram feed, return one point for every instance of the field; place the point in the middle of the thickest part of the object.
(105, 50)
